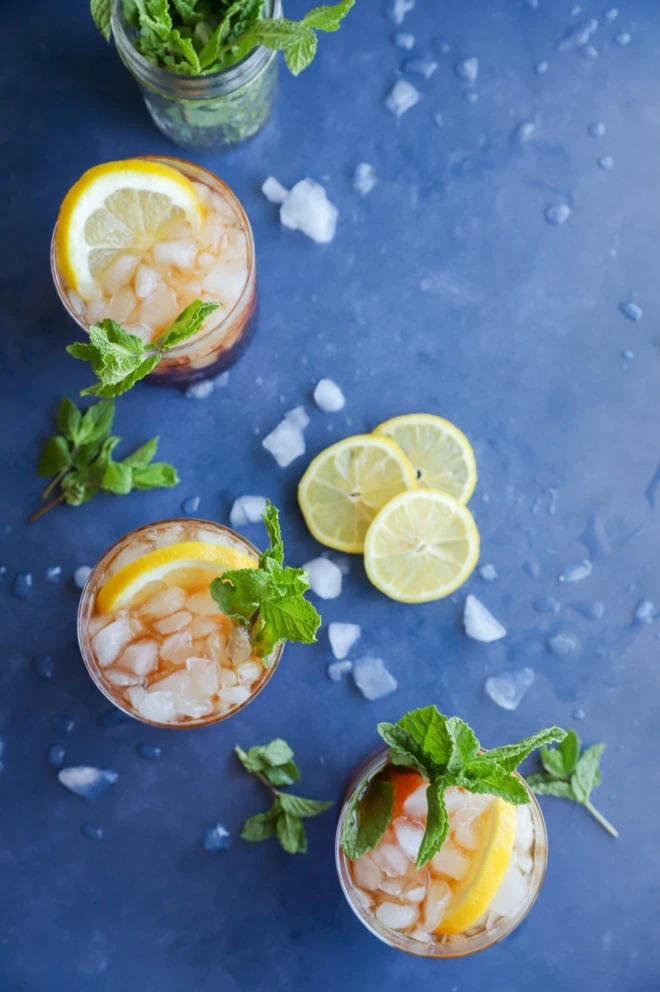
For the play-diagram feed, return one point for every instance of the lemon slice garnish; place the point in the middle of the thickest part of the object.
(127, 583)
(118, 207)
(421, 546)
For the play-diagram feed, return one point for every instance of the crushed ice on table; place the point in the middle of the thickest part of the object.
(216, 838)
(439, 120)
(524, 132)
(364, 178)
(557, 213)
(200, 390)
(597, 129)
(541, 68)
(308, 209)
(631, 310)
(628, 355)
(81, 575)
(399, 8)
(247, 510)
(286, 442)
(645, 611)
(337, 670)
(112, 718)
(63, 723)
(467, 69)
(43, 666)
(589, 52)
(651, 491)
(149, 751)
(421, 67)
(402, 39)
(342, 637)
(623, 38)
(273, 190)
(579, 714)
(23, 585)
(546, 604)
(471, 96)
(578, 36)
(325, 578)
(53, 574)
(91, 831)
(56, 755)
(402, 97)
(532, 568)
(594, 536)
(577, 572)
(606, 162)
(89, 783)
(488, 572)
(507, 688)
(480, 624)
(372, 678)
(328, 396)
(563, 644)
(589, 609)
(191, 505)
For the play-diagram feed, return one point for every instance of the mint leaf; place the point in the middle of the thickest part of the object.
(327, 18)
(259, 827)
(68, 418)
(553, 762)
(96, 422)
(404, 750)
(585, 776)
(420, 739)
(118, 382)
(117, 479)
(186, 324)
(285, 616)
(239, 591)
(141, 457)
(511, 755)
(486, 775)
(258, 758)
(300, 52)
(543, 785)
(291, 833)
(367, 818)
(464, 744)
(158, 475)
(271, 519)
(54, 456)
(437, 824)
(101, 11)
(570, 751)
(155, 17)
(298, 806)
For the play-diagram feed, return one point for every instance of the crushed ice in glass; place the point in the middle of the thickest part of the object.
(507, 688)
(563, 644)
(488, 572)
(338, 669)
(43, 666)
(578, 572)
(149, 751)
(56, 755)
(557, 213)
(273, 190)
(216, 838)
(247, 510)
(467, 69)
(402, 97)
(328, 396)
(372, 678)
(23, 586)
(308, 209)
(342, 637)
(631, 310)
(364, 178)
(286, 442)
(479, 622)
(81, 575)
(325, 578)
(87, 782)
(53, 574)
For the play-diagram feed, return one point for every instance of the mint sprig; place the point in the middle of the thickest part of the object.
(273, 765)
(80, 459)
(119, 359)
(446, 752)
(571, 775)
(269, 600)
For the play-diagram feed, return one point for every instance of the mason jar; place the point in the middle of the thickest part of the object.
(214, 110)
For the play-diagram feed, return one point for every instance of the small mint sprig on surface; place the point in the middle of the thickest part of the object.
(273, 765)
(80, 459)
(119, 359)
(269, 600)
(446, 752)
(571, 775)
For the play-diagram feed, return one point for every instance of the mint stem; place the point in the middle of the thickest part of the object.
(601, 819)
(44, 509)
(265, 781)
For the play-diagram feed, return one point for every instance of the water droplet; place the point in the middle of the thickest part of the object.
(541, 68)
(53, 574)
(471, 96)
(645, 611)
(532, 569)
(606, 162)
(149, 751)
(590, 610)
(56, 755)
(524, 132)
(217, 838)
(546, 604)
(589, 52)
(404, 40)
(597, 129)
(23, 586)
(628, 355)
(112, 718)
(81, 575)
(579, 714)
(623, 38)
(467, 69)
(631, 310)
(63, 723)
(557, 213)
(43, 666)
(439, 120)
(563, 644)
(191, 504)
(576, 10)
(91, 831)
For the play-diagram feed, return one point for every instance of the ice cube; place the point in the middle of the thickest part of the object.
(128, 555)
(468, 69)
(77, 303)
(111, 640)
(164, 603)
(286, 442)
(228, 677)
(179, 253)
(149, 751)
(63, 723)
(216, 838)
(154, 705)
(216, 648)
(450, 861)
(122, 305)
(96, 623)
(367, 874)
(200, 390)
(146, 280)
(480, 624)
(404, 40)
(204, 193)
(577, 572)
(177, 647)
(247, 510)
(437, 900)
(416, 894)
(391, 886)
(188, 701)
(159, 308)
(467, 829)
(212, 231)
(90, 783)
(409, 837)
(338, 669)
(524, 839)
(364, 179)
(417, 804)
(204, 676)
(511, 895)
(399, 9)
(308, 209)
(563, 644)
(325, 578)
(273, 190)
(342, 637)
(239, 645)
(557, 213)
(396, 916)
(457, 799)
(121, 679)
(118, 273)
(202, 627)
(372, 678)
(390, 859)
(328, 396)
(249, 672)
(507, 688)
(234, 695)
(176, 621)
(421, 67)
(402, 97)
(140, 657)
(81, 575)
(191, 504)
(645, 611)
(488, 572)
(298, 417)
(225, 281)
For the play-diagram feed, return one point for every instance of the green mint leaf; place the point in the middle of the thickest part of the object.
(225, 29)
(570, 751)
(158, 475)
(465, 744)
(68, 419)
(77, 490)
(239, 591)
(154, 17)
(327, 18)
(291, 833)
(586, 773)
(257, 758)
(484, 775)
(437, 823)
(96, 422)
(285, 774)
(419, 739)
(404, 749)
(187, 12)
(260, 827)
(285, 616)
(271, 519)
(186, 324)
(54, 457)
(117, 479)
(101, 11)
(300, 52)
(143, 455)
(298, 806)
(511, 755)
(367, 818)
(116, 384)
(544, 785)
(184, 48)
(553, 762)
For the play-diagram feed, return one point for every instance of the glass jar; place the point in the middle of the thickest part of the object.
(478, 937)
(141, 541)
(226, 334)
(209, 111)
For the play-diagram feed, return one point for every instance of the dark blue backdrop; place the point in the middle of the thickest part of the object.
(444, 290)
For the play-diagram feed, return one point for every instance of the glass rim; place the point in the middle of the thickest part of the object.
(472, 944)
(216, 185)
(87, 654)
(151, 74)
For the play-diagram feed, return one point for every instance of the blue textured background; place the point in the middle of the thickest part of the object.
(444, 290)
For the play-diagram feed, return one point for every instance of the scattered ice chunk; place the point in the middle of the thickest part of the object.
(546, 604)
(480, 624)
(141, 657)
(606, 162)
(216, 838)
(56, 755)
(22, 587)
(578, 572)
(63, 723)
(590, 610)
(53, 574)
(325, 577)
(579, 714)
(541, 68)
(557, 213)
(524, 132)
(467, 69)
(81, 575)
(342, 637)
(611, 14)
(273, 190)
(149, 751)
(191, 504)
(488, 572)
(247, 510)
(308, 209)
(43, 666)
(563, 644)
(372, 678)
(402, 97)
(399, 9)
(286, 442)
(364, 178)
(623, 38)
(200, 390)
(421, 67)
(337, 670)
(404, 40)
(645, 611)
(507, 688)
(111, 640)
(89, 783)
(92, 832)
(328, 396)
(596, 130)
(396, 916)
(631, 310)
(578, 36)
